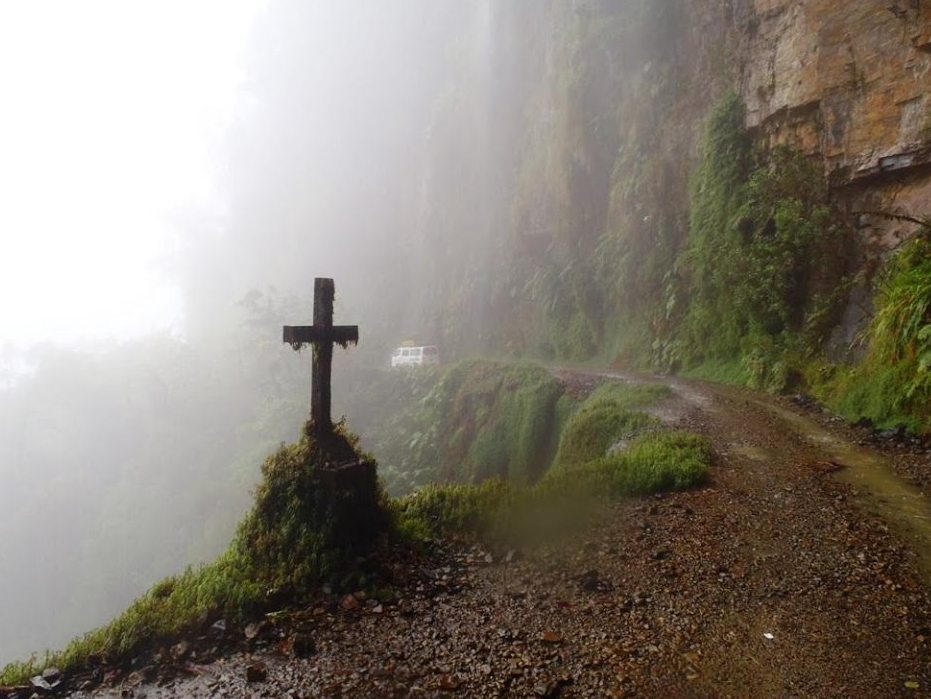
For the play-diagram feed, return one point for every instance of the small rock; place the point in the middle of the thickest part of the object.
(302, 645)
(40, 682)
(181, 650)
(449, 683)
(219, 626)
(203, 619)
(551, 637)
(590, 582)
(135, 679)
(349, 603)
(256, 672)
(52, 675)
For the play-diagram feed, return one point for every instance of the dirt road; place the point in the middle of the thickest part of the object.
(783, 577)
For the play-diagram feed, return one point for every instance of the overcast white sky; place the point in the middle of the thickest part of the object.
(108, 111)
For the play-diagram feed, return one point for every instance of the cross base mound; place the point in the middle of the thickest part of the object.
(352, 494)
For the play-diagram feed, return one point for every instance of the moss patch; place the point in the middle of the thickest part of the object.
(604, 418)
(318, 503)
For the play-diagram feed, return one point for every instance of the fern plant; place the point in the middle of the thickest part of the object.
(901, 330)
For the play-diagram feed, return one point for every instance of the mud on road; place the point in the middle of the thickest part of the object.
(780, 578)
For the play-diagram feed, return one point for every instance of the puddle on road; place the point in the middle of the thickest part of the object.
(899, 503)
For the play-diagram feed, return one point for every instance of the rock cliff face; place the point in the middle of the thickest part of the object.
(587, 130)
(851, 83)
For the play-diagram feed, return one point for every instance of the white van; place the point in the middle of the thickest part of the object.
(415, 356)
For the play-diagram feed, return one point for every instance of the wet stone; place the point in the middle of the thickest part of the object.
(256, 672)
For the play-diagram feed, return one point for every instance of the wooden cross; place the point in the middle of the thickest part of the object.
(322, 334)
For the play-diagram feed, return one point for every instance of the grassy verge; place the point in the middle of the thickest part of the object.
(498, 511)
(723, 371)
(607, 450)
(170, 608)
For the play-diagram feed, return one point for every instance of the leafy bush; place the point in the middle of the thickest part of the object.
(653, 462)
(658, 462)
(393, 411)
(901, 330)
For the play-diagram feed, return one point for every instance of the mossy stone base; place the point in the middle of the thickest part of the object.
(318, 505)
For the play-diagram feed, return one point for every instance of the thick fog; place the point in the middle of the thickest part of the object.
(196, 167)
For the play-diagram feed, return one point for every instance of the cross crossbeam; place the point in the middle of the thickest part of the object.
(322, 335)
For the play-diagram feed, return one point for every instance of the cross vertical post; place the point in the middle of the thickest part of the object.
(320, 386)
(322, 334)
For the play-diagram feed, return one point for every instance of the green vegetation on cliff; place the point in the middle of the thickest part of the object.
(606, 450)
(764, 275)
(892, 385)
(478, 420)
(763, 269)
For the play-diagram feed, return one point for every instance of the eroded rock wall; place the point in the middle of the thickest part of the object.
(851, 83)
